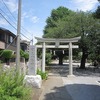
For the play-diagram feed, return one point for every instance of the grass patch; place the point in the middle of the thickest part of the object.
(44, 75)
(12, 87)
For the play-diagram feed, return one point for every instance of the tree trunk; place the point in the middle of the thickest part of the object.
(60, 60)
(83, 60)
(7, 61)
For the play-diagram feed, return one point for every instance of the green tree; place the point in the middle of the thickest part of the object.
(97, 13)
(56, 23)
(73, 24)
(89, 28)
(95, 55)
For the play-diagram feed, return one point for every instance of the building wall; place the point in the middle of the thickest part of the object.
(6, 41)
(24, 45)
(6, 38)
(2, 45)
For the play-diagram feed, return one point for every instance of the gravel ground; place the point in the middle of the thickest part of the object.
(63, 70)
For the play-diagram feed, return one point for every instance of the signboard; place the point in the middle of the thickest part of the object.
(32, 66)
(57, 44)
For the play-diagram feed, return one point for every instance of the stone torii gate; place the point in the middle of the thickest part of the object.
(57, 42)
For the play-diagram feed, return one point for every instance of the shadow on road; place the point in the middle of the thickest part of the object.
(76, 91)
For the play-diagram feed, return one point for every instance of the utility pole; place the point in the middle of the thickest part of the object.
(18, 35)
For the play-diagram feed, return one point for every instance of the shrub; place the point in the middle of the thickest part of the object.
(12, 88)
(21, 53)
(44, 75)
(7, 54)
(26, 56)
(48, 58)
(1, 61)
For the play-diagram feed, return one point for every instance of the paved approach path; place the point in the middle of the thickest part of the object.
(53, 89)
(84, 86)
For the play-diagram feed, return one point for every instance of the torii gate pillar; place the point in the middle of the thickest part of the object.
(43, 57)
(70, 59)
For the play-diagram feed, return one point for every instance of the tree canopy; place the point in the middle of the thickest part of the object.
(64, 23)
(57, 22)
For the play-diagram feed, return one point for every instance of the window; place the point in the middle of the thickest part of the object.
(2, 37)
(10, 39)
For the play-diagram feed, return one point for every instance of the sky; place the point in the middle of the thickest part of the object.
(35, 12)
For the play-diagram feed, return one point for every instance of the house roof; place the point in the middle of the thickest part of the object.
(6, 30)
(1, 28)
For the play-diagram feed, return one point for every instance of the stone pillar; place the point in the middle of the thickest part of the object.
(43, 57)
(32, 66)
(32, 79)
(70, 59)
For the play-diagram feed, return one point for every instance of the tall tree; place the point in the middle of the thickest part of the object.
(96, 52)
(97, 13)
(56, 28)
(56, 23)
(88, 28)
(72, 24)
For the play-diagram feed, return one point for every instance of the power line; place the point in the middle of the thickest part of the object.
(14, 17)
(8, 17)
(25, 36)
(8, 10)
(13, 21)
(7, 21)
(12, 25)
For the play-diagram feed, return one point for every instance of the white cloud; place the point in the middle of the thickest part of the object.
(35, 19)
(85, 5)
(25, 15)
(12, 5)
(29, 16)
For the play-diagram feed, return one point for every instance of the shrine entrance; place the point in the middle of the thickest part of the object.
(57, 44)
